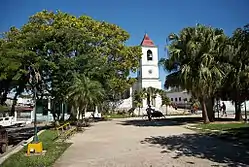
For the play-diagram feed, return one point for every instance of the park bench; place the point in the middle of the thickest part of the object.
(65, 131)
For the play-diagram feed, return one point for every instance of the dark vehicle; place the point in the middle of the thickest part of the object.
(157, 114)
(154, 114)
(3, 139)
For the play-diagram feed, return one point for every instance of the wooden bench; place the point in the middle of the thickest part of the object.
(65, 131)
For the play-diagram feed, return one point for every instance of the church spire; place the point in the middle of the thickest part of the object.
(147, 41)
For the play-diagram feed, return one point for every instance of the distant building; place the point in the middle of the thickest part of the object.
(181, 98)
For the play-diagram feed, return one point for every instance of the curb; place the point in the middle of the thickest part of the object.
(17, 148)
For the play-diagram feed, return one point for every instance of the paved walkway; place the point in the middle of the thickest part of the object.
(129, 143)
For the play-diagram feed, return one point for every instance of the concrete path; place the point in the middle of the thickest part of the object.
(138, 143)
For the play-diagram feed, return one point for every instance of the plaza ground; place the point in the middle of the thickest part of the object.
(133, 142)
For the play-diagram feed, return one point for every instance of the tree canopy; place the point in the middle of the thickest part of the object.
(209, 64)
(60, 46)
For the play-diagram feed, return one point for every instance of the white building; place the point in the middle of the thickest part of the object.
(147, 74)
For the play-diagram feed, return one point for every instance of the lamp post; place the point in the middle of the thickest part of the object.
(35, 138)
(35, 146)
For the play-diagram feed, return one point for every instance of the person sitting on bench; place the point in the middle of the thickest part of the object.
(149, 109)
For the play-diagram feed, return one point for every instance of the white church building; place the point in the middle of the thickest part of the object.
(147, 74)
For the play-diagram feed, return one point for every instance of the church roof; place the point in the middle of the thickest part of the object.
(147, 41)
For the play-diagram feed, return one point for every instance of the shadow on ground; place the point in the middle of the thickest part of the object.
(16, 135)
(202, 146)
(161, 122)
(168, 121)
(237, 136)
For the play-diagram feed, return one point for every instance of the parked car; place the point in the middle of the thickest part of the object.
(9, 121)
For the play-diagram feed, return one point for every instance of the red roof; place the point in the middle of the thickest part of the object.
(147, 41)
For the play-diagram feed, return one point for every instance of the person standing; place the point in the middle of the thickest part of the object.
(223, 108)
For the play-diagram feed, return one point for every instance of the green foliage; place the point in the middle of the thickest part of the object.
(59, 46)
(85, 92)
(166, 100)
(207, 63)
(54, 150)
(3, 108)
(138, 98)
(221, 127)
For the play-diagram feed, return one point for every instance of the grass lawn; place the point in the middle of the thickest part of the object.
(54, 150)
(233, 132)
(221, 126)
(117, 116)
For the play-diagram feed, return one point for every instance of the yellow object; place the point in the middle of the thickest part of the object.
(34, 148)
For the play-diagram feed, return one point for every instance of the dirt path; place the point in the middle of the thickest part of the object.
(127, 143)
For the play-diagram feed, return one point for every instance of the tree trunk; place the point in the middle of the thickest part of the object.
(73, 114)
(63, 111)
(78, 112)
(245, 113)
(148, 100)
(210, 111)
(238, 115)
(139, 110)
(85, 110)
(4, 97)
(166, 109)
(204, 112)
(12, 111)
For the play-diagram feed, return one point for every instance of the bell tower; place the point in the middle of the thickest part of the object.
(148, 74)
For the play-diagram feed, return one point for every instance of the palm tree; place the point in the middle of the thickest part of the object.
(85, 92)
(151, 94)
(235, 85)
(195, 62)
(138, 99)
(165, 100)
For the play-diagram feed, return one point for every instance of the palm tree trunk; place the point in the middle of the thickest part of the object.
(73, 113)
(238, 115)
(63, 111)
(210, 111)
(245, 112)
(204, 112)
(78, 112)
(148, 99)
(85, 110)
(166, 109)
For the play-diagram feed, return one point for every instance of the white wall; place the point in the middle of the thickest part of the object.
(229, 105)
(149, 64)
(24, 101)
(180, 96)
(153, 83)
(231, 108)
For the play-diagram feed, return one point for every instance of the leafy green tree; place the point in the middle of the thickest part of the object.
(60, 45)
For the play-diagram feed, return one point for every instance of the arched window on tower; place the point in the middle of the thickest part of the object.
(149, 55)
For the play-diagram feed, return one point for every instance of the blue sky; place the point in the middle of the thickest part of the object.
(156, 17)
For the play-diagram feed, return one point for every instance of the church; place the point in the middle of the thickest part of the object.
(147, 74)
